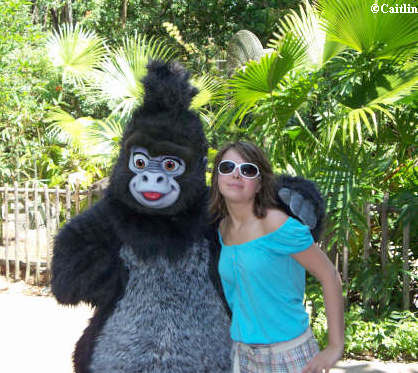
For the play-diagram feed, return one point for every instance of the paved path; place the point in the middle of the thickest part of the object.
(38, 336)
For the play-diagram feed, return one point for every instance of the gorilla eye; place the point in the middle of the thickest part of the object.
(140, 161)
(171, 164)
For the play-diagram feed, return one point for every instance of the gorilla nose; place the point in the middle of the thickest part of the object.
(152, 178)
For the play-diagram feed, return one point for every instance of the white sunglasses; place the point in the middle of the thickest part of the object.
(247, 170)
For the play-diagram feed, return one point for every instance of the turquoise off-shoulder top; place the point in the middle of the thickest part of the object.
(264, 286)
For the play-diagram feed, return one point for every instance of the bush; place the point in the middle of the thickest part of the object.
(394, 337)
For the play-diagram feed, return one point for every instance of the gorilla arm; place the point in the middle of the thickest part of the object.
(86, 264)
(301, 199)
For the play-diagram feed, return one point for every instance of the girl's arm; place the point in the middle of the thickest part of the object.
(318, 264)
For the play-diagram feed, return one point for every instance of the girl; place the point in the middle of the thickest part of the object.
(264, 254)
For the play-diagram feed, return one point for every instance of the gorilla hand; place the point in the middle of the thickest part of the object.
(301, 198)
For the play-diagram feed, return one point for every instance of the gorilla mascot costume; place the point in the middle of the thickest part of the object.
(145, 256)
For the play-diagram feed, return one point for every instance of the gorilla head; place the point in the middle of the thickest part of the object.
(161, 166)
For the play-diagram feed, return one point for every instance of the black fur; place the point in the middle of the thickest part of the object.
(88, 264)
(158, 126)
(310, 192)
(167, 88)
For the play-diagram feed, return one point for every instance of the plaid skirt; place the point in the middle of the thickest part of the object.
(282, 357)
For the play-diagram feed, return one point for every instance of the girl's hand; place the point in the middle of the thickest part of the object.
(324, 360)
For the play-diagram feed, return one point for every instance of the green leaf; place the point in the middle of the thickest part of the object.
(382, 35)
(307, 26)
(117, 81)
(210, 90)
(76, 51)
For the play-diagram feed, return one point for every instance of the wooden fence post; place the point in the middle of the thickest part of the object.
(48, 229)
(6, 226)
(57, 208)
(67, 202)
(17, 261)
(28, 264)
(77, 197)
(89, 197)
(38, 249)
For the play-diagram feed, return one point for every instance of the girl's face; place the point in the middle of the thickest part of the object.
(234, 187)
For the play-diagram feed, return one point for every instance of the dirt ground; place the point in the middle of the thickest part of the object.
(38, 335)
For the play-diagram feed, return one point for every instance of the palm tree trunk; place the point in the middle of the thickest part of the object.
(366, 249)
(35, 12)
(345, 266)
(54, 15)
(405, 265)
(68, 12)
(384, 243)
(366, 240)
(124, 12)
(384, 223)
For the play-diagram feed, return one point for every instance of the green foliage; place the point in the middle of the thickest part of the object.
(391, 336)
(75, 51)
(351, 23)
(117, 80)
(26, 87)
(394, 337)
(199, 21)
(335, 102)
(346, 118)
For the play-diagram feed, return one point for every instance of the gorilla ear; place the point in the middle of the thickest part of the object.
(167, 87)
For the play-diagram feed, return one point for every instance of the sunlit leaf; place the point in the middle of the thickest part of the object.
(76, 51)
(383, 35)
(118, 78)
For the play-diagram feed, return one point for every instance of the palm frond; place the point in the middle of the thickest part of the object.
(381, 35)
(352, 123)
(400, 85)
(76, 51)
(118, 79)
(307, 26)
(210, 90)
(346, 176)
(108, 133)
(260, 78)
(229, 113)
(70, 130)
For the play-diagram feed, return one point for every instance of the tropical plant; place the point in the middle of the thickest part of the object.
(75, 51)
(114, 78)
(117, 80)
(331, 103)
(26, 86)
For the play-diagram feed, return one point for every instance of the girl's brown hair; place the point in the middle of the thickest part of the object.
(264, 199)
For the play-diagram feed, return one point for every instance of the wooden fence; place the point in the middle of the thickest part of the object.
(30, 217)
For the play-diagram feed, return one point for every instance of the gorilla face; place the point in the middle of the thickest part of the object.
(154, 183)
(161, 165)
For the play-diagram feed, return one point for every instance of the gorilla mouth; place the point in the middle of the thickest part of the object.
(152, 196)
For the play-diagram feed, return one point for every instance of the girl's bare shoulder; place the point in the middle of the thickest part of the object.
(274, 219)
